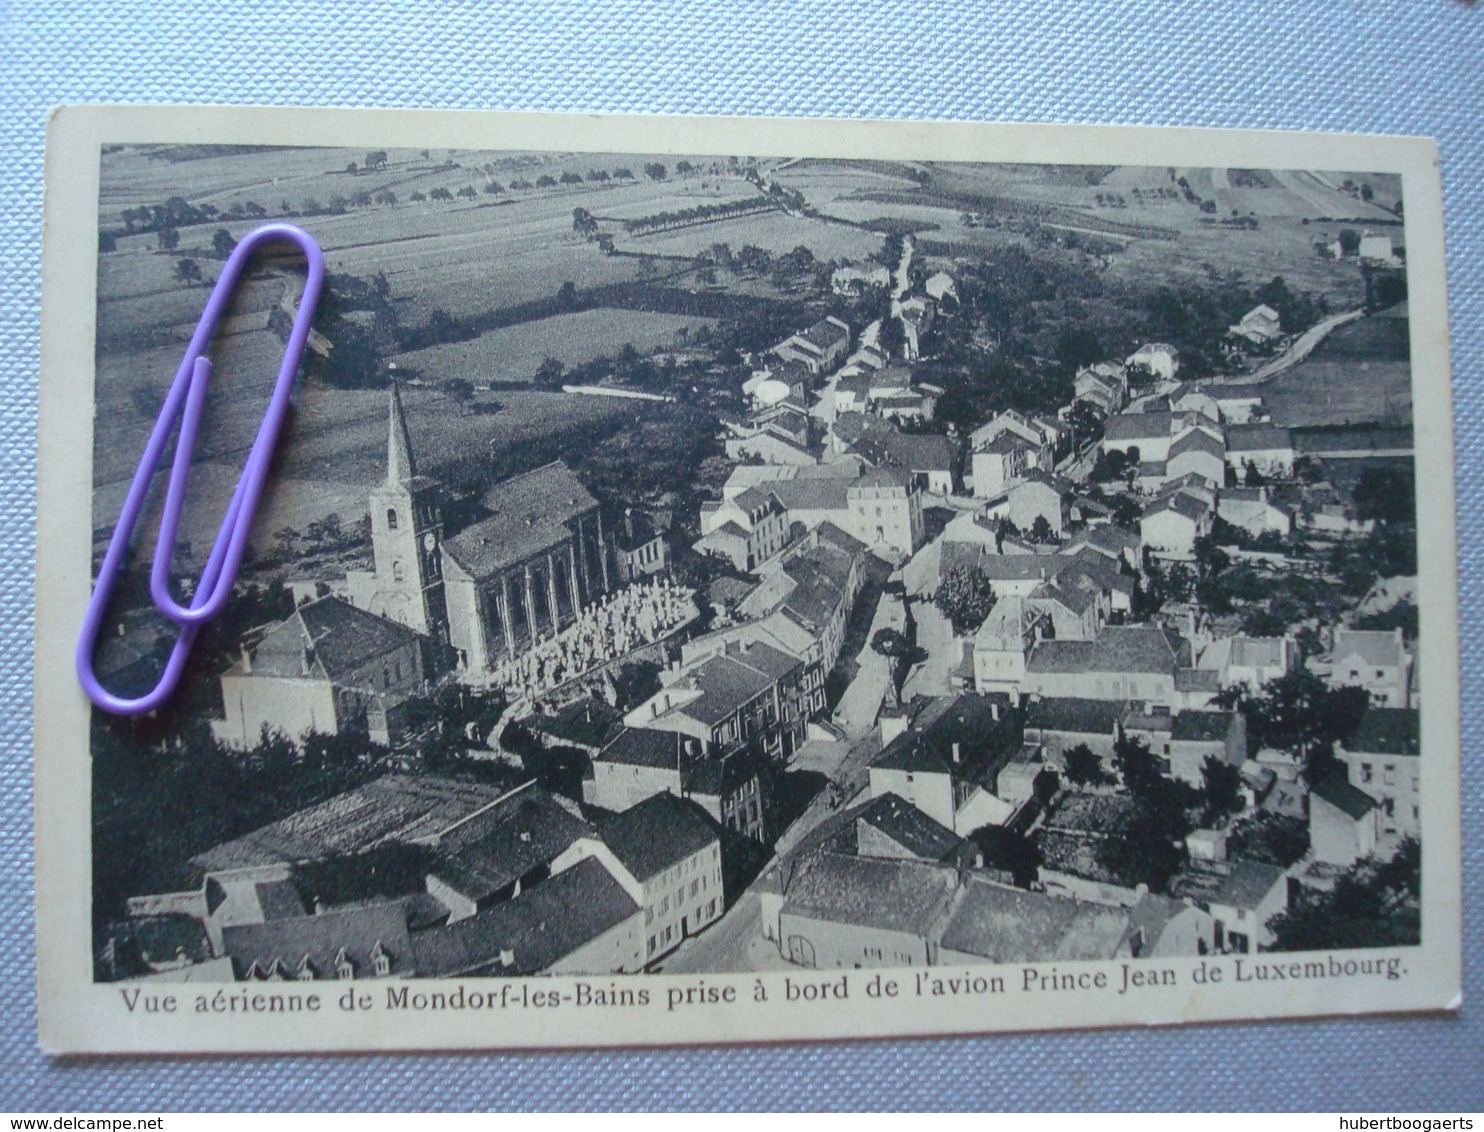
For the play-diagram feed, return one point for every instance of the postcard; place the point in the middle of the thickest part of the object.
(731, 580)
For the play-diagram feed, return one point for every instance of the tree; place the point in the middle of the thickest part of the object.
(1272, 839)
(584, 224)
(1083, 767)
(567, 297)
(188, 271)
(1041, 531)
(571, 178)
(966, 597)
(1349, 241)
(458, 390)
(1386, 494)
(891, 643)
(494, 188)
(655, 171)
(1298, 712)
(1373, 904)
(167, 239)
(546, 181)
(549, 372)
(467, 192)
(1076, 347)
(222, 244)
(376, 159)
(1221, 785)
(440, 193)
(1013, 852)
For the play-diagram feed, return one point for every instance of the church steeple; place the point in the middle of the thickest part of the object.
(407, 536)
(400, 468)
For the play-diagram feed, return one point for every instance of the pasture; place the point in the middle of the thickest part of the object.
(513, 353)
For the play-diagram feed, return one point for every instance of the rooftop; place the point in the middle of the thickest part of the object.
(529, 514)
(1236, 884)
(395, 809)
(1010, 925)
(905, 896)
(1340, 794)
(524, 830)
(1387, 731)
(1077, 716)
(659, 832)
(534, 931)
(335, 638)
(358, 932)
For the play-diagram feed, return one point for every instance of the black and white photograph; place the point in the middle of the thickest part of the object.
(773, 566)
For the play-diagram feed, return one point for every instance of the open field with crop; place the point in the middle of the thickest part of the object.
(512, 353)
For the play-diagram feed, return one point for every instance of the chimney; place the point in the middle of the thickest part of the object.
(958, 755)
(246, 660)
(306, 661)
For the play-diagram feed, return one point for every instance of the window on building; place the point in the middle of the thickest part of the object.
(391, 518)
(397, 573)
(1389, 774)
(1367, 773)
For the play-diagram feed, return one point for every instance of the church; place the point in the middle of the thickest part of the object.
(521, 572)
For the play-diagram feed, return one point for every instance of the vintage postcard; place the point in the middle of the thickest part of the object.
(745, 580)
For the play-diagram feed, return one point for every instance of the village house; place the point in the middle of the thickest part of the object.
(1382, 759)
(1197, 453)
(1325, 508)
(1375, 660)
(1343, 822)
(1196, 736)
(819, 347)
(1238, 410)
(1040, 432)
(1104, 386)
(1001, 462)
(580, 922)
(640, 763)
(929, 458)
(1260, 447)
(1251, 509)
(327, 668)
(504, 849)
(751, 695)
(1241, 895)
(778, 434)
(947, 763)
(667, 856)
(1194, 401)
(916, 316)
(1127, 663)
(1157, 359)
(834, 911)
(885, 512)
(1250, 662)
(1119, 546)
(853, 281)
(746, 529)
(890, 827)
(1057, 724)
(993, 923)
(1259, 327)
(1172, 524)
(940, 286)
(1039, 496)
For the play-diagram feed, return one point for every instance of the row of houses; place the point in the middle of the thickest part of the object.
(427, 876)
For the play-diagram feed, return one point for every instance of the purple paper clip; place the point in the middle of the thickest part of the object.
(183, 404)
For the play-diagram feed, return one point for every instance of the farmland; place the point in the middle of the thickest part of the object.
(513, 353)
(1360, 374)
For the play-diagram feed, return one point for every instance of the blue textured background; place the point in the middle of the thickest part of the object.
(1393, 66)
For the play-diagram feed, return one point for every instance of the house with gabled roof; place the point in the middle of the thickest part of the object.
(819, 347)
(581, 922)
(1250, 662)
(748, 529)
(1259, 327)
(1157, 359)
(947, 763)
(1343, 822)
(1383, 759)
(749, 695)
(1252, 509)
(503, 850)
(327, 667)
(666, 854)
(1171, 525)
(1243, 897)
(640, 763)
(1197, 453)
(1261, 447)
(366, 942)
(1375, 660)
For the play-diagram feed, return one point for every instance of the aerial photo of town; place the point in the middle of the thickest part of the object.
(731, 564)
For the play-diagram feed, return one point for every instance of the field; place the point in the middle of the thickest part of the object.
(774, 232)
(333, 449)
(1360, 374)
(512, 353)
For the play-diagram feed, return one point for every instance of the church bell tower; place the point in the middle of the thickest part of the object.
(407, 536)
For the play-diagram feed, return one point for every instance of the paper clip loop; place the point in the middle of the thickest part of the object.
(183, 404)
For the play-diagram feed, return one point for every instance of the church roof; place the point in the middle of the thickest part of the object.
(530, 514)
